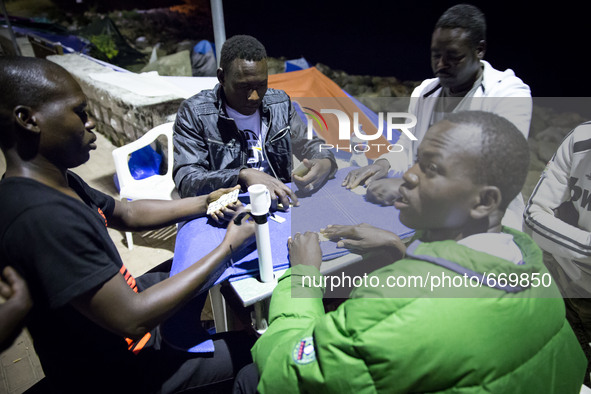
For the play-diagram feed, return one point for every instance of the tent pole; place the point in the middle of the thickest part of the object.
(12, 37)
(219, 29)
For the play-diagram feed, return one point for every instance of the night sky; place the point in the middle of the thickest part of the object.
(544, 44)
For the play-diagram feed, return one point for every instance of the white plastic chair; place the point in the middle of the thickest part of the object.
(157, 187)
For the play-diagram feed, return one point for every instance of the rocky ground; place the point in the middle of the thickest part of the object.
(177, 29)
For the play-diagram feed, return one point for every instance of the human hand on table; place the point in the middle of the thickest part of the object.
(363, 238)
(384, 191)
(279, 190)
(366, 175)
(242, 234)
(304, 249)
(227, 213)
(318, 171)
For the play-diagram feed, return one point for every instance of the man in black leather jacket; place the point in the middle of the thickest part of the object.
(242, 133)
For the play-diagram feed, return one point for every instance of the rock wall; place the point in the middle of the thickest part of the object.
(121, 115)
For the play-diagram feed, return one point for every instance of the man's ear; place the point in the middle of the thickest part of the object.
(24, 118)
(481, 49)
(220, 74)
(488, 201)
(27, 132)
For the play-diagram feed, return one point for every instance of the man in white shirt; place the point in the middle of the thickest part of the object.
(558, 218)
(463, 81)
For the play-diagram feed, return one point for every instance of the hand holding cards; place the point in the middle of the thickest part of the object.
(300, 170)
(223, 201)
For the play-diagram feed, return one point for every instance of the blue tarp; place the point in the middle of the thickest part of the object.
(296, 64)
(48, 31)
(203, 59)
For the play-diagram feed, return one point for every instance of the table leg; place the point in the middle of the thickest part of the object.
(261, 315)
(218, 307)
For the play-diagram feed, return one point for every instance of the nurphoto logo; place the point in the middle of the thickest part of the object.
(401, 121)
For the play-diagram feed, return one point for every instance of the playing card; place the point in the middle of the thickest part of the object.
(223, 201)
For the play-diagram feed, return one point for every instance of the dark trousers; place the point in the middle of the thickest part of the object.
(247, 380)
(175, 371)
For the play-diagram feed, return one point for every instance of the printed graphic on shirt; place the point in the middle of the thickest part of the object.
(579, 195)
(100, 211)
(255, 151)
(128, 278)
(250, 127)
(133, 345)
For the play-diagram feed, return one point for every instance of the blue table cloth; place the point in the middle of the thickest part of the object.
(332, 204)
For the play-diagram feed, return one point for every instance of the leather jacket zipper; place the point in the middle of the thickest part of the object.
(220, 142)
(280, 134)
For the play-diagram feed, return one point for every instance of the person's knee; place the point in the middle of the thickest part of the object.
(238, 344)
(247, 380)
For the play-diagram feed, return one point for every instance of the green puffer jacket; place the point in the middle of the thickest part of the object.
(455, 340)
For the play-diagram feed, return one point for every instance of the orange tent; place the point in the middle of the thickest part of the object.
(313, 91)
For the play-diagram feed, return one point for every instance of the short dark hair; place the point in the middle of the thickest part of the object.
(504, 158)
(24, 81)
(241, 47)
(467, 17)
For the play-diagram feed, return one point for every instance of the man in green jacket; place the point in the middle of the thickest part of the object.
(469, 306)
